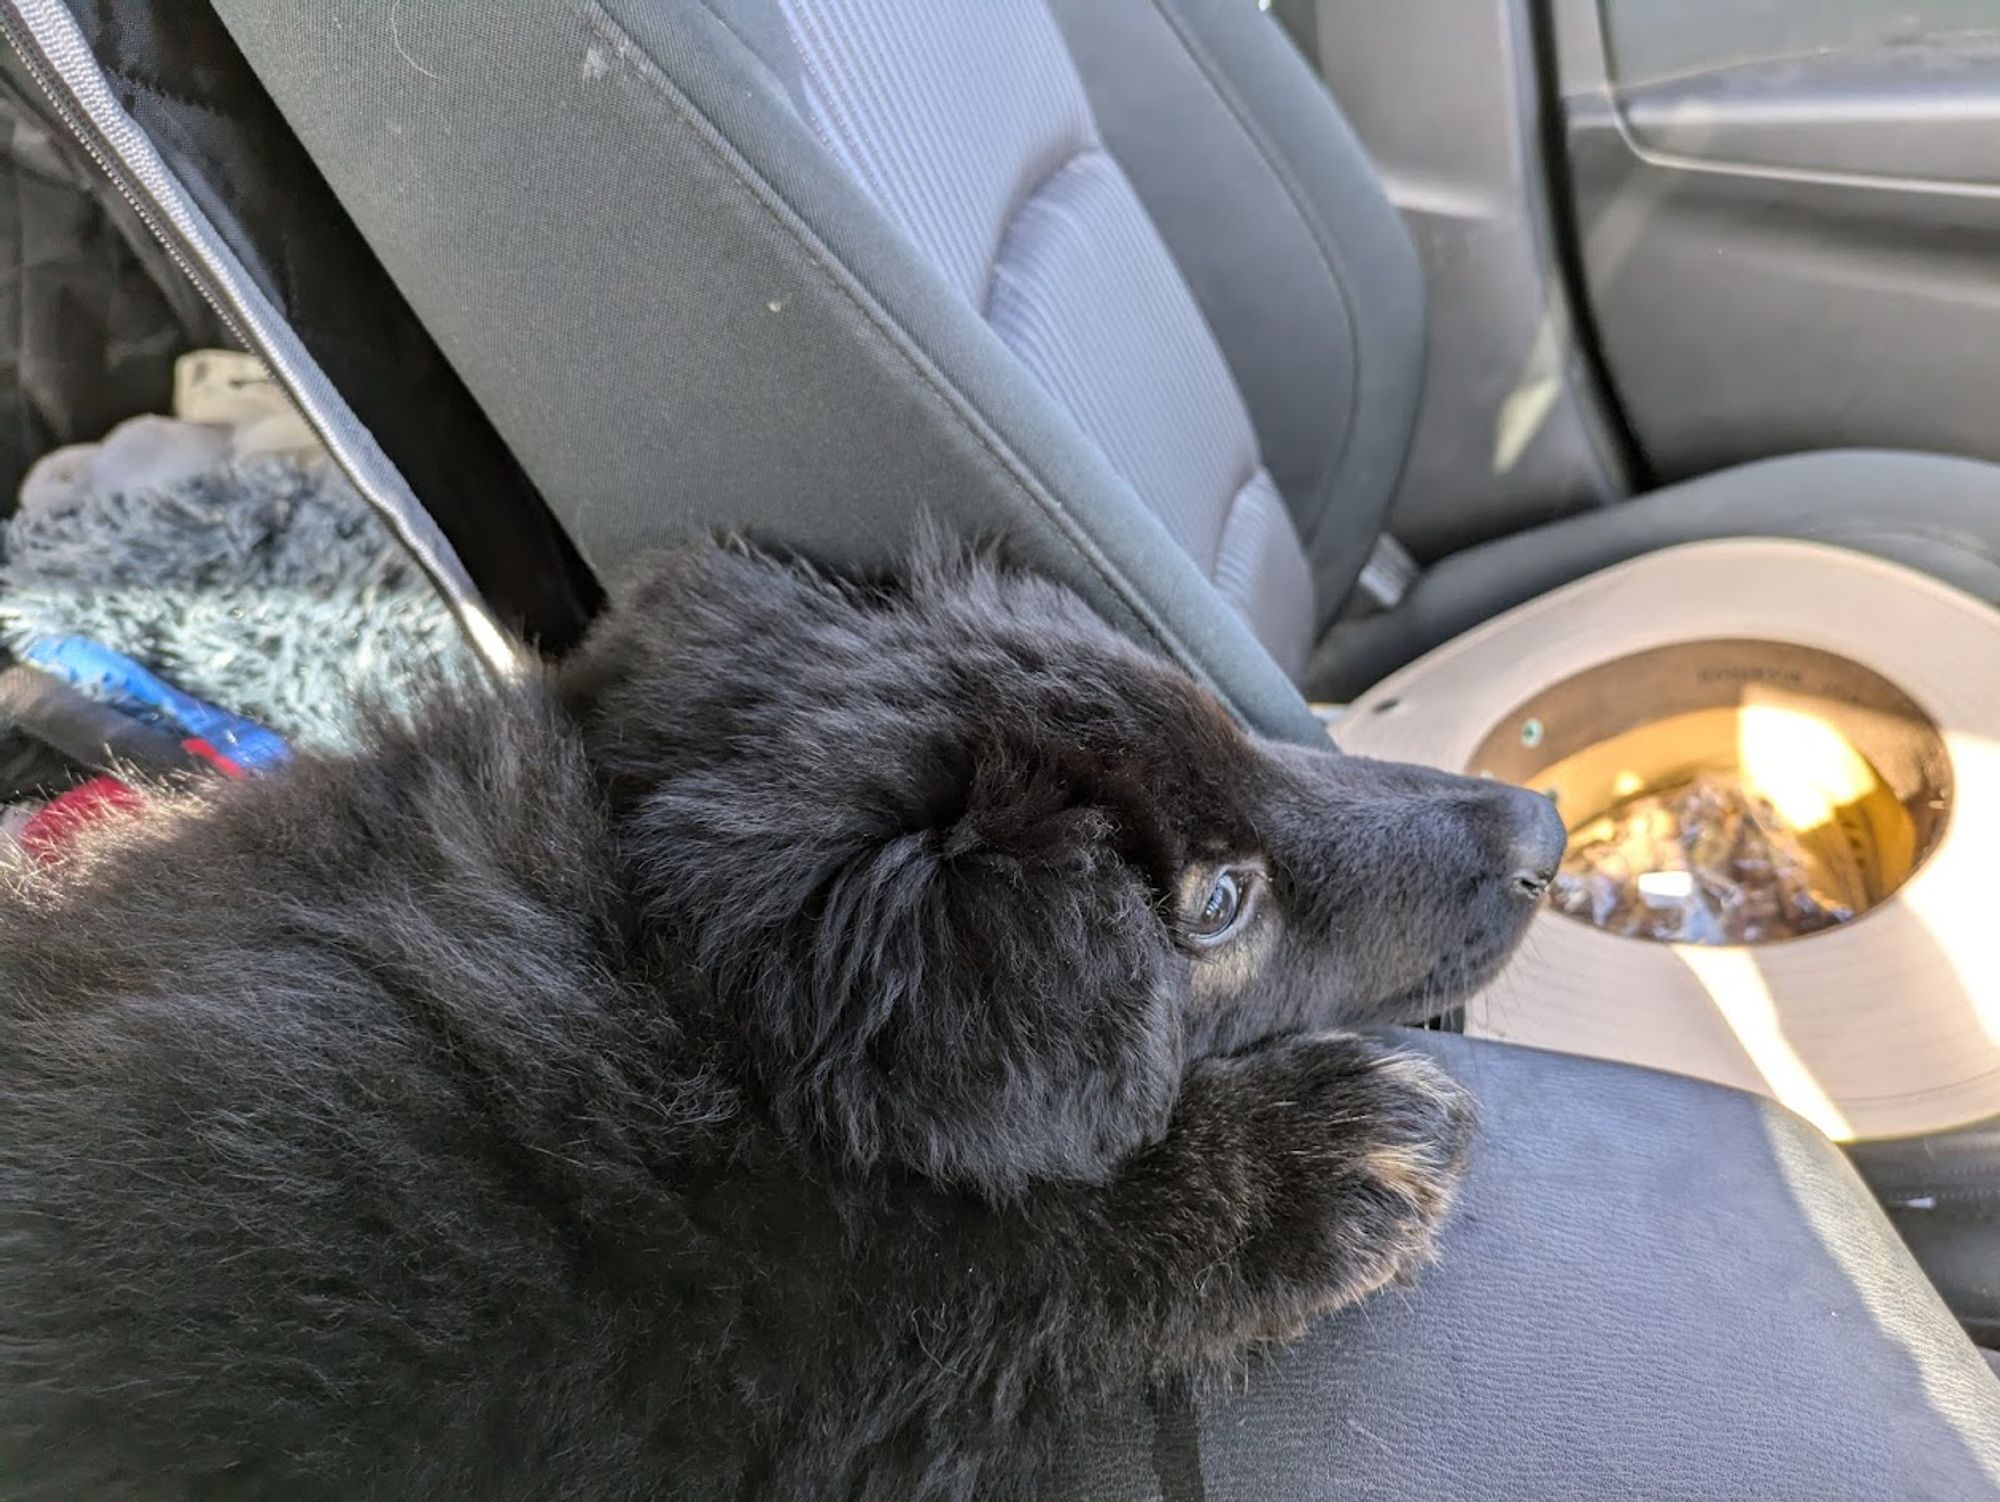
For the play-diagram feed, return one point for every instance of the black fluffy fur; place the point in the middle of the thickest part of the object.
(769, 1059)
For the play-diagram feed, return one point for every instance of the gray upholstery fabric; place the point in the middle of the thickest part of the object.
(951, 117)
(1259, 568)
(1273, 213)
(1085, 294)
(1936, 514)
(1651, 1288)
(968, 125)
(681, 312)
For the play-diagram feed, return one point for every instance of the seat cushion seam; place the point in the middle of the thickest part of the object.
(814, 74)
(628, 53)
(1230, 511)
(1013, 217)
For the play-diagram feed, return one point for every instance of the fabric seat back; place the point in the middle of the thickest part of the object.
(817, 268)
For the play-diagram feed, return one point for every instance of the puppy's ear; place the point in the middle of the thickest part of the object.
(912, 912)
(991, 1000)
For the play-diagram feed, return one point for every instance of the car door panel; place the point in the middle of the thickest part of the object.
(1788, 218)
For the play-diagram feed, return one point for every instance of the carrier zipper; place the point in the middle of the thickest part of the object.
(85, 137)
(55, 55)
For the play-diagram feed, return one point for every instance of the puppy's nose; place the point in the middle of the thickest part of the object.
(1539, 840)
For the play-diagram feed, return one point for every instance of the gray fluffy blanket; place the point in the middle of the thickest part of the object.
(269, 587)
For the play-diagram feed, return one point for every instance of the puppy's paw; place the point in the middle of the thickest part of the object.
(1296, 1178)
(1409, 1158)
(1370, 1146)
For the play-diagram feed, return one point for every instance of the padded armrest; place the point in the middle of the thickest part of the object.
(1651, 1287)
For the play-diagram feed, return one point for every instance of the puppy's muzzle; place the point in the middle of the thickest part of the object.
(1535, 844)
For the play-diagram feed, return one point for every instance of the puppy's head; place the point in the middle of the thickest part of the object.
(972, 878)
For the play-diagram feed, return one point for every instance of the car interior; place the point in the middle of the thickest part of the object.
(1595, 394)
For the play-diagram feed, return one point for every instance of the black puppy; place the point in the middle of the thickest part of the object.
(816, 1047)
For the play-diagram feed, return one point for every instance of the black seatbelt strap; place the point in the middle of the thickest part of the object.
(1176, 1443)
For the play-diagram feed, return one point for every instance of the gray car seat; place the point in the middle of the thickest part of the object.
(1110, 276)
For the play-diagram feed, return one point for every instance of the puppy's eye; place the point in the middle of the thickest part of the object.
(1219, 911)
